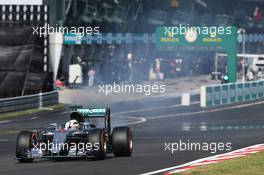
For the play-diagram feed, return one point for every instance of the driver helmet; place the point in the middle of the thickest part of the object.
(72, 124)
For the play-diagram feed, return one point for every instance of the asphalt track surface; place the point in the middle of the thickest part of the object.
(165, 122)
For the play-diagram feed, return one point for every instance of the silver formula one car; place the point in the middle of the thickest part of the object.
(82, 140)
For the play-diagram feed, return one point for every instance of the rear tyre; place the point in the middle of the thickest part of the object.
(97, 139)
(24, 145)
(122, 141)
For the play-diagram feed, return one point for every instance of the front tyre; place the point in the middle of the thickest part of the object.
(23, 146)
(122, 141)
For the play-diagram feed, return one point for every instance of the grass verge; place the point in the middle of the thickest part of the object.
(249, 165)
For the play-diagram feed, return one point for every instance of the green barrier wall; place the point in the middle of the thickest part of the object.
(231, 93)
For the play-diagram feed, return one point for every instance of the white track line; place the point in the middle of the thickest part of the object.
(206, 111)
(194, 162)
(152, 108)
(5, 121)
(183, 114)
(139, 120)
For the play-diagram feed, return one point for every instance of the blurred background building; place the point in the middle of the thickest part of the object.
(142, 17)
(117, 58)
(24, 59)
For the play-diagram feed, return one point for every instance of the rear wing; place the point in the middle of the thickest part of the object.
(97, 112)
(81, 113)
(91, 112)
